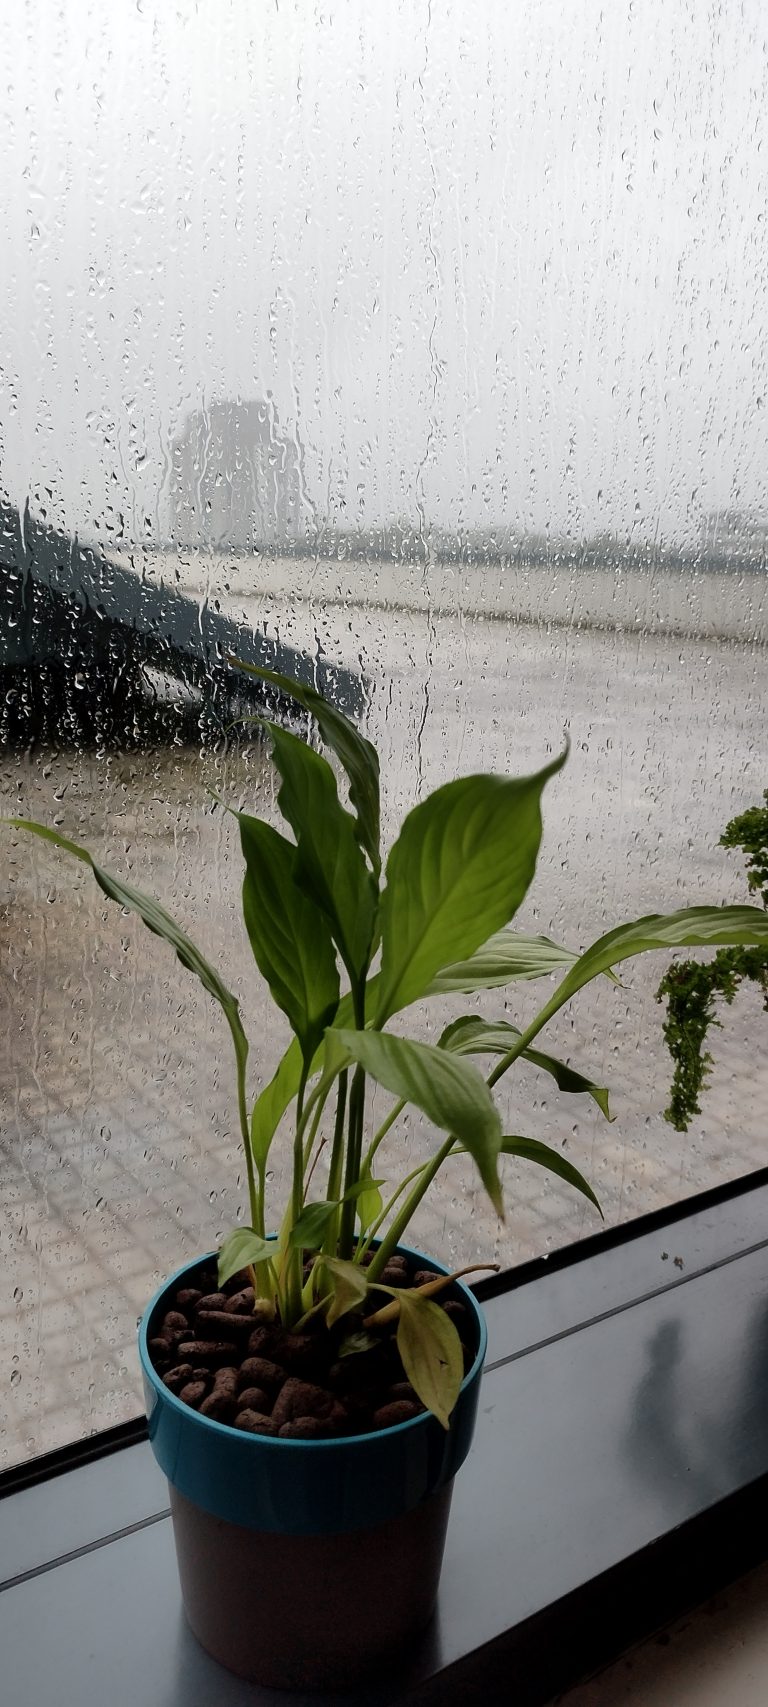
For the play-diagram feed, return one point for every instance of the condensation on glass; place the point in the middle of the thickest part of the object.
(425, 344)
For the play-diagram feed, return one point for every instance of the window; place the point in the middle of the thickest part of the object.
(427, 347)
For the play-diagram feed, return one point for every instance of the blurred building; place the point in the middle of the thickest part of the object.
(235, 481)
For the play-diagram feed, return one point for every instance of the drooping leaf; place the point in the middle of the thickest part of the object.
(532, 1150)
(290, 937)
(431, 1353)
(358, 757)
(457, 872)
(692, 927)
(472, 1035)
(159, 922)
(451, 1092)
(505, 957)
(347, 1284)
(243, 1248)
(330, 864)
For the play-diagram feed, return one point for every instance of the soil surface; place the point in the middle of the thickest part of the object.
(213, 1352)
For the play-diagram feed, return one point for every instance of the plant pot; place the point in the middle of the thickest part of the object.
(307, 1563)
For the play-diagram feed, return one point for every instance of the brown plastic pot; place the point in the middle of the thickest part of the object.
(309, 1611)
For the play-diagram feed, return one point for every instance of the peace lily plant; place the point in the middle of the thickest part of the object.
(344, 948)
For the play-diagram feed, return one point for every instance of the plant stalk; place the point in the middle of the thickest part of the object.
(394, 1234)
(293, 1268)
(526, 1037)
(255, 1198)
(393, 1115)
(365, 1244)
(352, 1169)
(336, 1170)
(354, 1134)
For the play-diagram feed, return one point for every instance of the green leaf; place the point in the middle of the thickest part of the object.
(693, 927)
(159, 922)
(243, 1248)
(531, 1150)
(431, 1353)
(472, 1035)
(369, 1202)
(330, 865)
(451, 1093)
(347, 1284)
(358, 757)
(506, 956)
(272, 1102)
(290, 937)
(308, 1232)
(457, 872)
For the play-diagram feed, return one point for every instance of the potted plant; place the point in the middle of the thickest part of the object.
(311, 1388)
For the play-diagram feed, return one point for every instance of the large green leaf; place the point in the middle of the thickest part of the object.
(431, 1353)
(358, 757)
(330, 864)
(693, 927)
(451, 1092)
(532, 1150)
(472, 1035)
(457, 872)
(156, 920)
(290, 937)
(506, 956)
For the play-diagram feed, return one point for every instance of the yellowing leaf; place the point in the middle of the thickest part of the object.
(431, 1353)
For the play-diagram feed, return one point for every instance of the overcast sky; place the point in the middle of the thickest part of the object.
(499, 261)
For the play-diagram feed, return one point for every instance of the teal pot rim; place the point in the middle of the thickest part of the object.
(310, 1487)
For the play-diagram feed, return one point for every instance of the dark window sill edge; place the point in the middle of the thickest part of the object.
(609, 1238)
(73, 1456)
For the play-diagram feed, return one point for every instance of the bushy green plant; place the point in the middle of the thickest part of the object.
(691, 990)
(343, 950)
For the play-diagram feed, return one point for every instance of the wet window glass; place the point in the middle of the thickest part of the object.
(419, 348)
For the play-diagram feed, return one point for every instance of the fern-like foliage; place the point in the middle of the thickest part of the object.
(691, 990)
(750, 832)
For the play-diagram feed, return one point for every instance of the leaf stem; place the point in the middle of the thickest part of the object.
(365, 1244)
(354, 1134)
(255, 1198)
(315, 1160)
(394, 1234)
(352, 1168)
(293, 1275)
(378, 1138)
(390, 1312)
(336, 1170)
(526, 1037)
